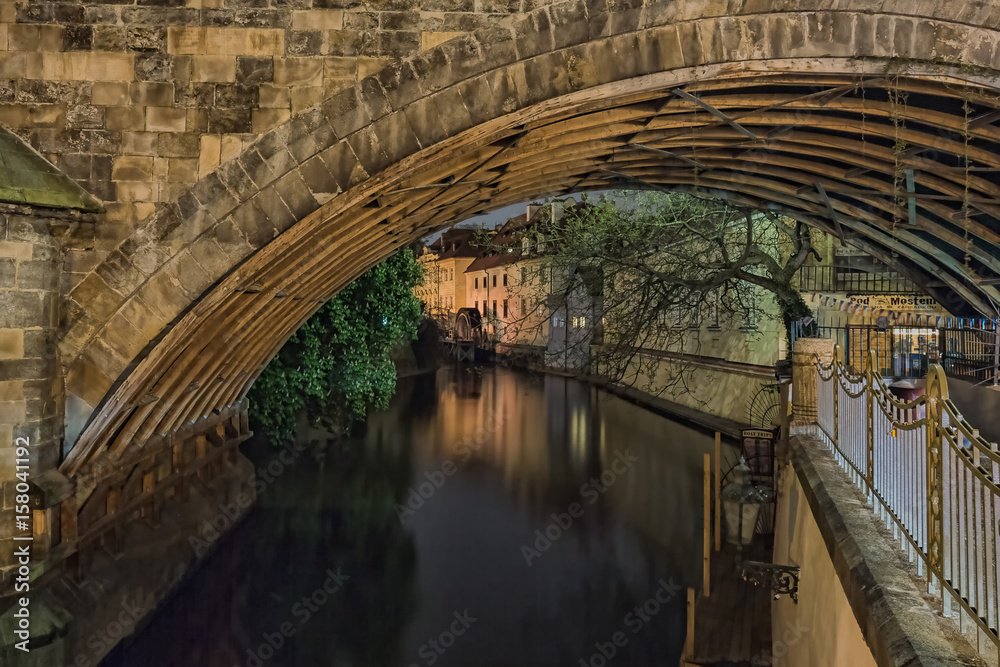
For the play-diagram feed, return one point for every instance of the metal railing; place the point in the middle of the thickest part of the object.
(929, 475)
(840, 279)
(966, 349)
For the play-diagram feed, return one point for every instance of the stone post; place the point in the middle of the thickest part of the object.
(804, 406)
(31, 388)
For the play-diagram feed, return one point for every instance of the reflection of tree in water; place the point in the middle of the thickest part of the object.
(338, 515)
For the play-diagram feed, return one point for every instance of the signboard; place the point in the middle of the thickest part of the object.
(903, 302)
(758, 450)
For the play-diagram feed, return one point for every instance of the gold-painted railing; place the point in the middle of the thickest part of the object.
(930, 476)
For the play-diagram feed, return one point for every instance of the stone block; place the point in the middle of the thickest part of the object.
(145, 320)
(21, 309)
(273, 209)
(12, 65)
(208, 155)
(318, 179)
(108, 37)
(235, 96)
(13, 412)
(11, 390)
(152, 93)
(254, 70)
(230, 121)
(182, 170)
(82, 66)
(298, 71)
(37, 275)
(132, 168)
(318, 19)
(274, 97)
(165, 119)
(35, 37)
(345, 112)
(214, 196)
(128, 119)
(221, 69)
(140, 143)
(344, 165)
(232, 146)
(8, 272)
(161, 294)
(110, 93)
(124, 338)
(118, 270)
(187, 144)
(296, 195)
(428, 39)
(131, 191)
(305, 97)
(11, 344)
(266, 119)
(88, 381)
(15, 249)
(306, 43)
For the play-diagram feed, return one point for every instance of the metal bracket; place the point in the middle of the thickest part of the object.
(781, 579)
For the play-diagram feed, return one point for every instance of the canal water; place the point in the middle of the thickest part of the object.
(488, 518)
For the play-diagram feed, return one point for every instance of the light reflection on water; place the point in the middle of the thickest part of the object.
(433, 517)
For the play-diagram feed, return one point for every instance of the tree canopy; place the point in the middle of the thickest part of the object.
(337, 365)
(651, 265)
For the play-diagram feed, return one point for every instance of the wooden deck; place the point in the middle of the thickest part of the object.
(733, 625)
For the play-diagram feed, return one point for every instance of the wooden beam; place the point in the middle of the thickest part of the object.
(984, 119)
(683, 94)
(911, 201)
(682, 158)
(831, 212)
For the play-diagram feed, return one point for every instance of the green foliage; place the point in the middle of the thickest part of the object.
(337, 364)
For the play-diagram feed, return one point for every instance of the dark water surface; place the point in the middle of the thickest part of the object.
(417, 544)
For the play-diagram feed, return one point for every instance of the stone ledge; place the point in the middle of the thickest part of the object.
(896, 619)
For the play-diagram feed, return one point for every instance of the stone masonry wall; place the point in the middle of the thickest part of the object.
(136, 99)
(31, 395)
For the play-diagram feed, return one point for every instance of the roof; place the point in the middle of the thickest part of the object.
(509, 236)
(28, 178)
(456, 242)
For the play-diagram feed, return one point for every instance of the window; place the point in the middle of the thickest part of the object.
(477, 283)
(505, 304)
(713, 312)
(494, 282)
(524, 275)
(494, 303)
(477, 305)
(524, 307)
(505, 279)
(580, 322)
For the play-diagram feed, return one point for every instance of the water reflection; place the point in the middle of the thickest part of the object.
(487, 518)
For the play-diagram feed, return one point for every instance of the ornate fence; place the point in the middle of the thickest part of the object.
(929, 475)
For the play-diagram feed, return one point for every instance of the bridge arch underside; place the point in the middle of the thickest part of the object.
(823, 131)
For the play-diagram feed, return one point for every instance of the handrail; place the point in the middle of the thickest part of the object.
(926, 470)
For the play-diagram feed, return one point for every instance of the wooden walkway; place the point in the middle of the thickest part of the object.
(733, 625)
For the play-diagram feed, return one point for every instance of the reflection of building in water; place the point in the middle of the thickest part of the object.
(549, 438)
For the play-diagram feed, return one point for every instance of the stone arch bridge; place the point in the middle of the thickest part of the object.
(217, 169)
